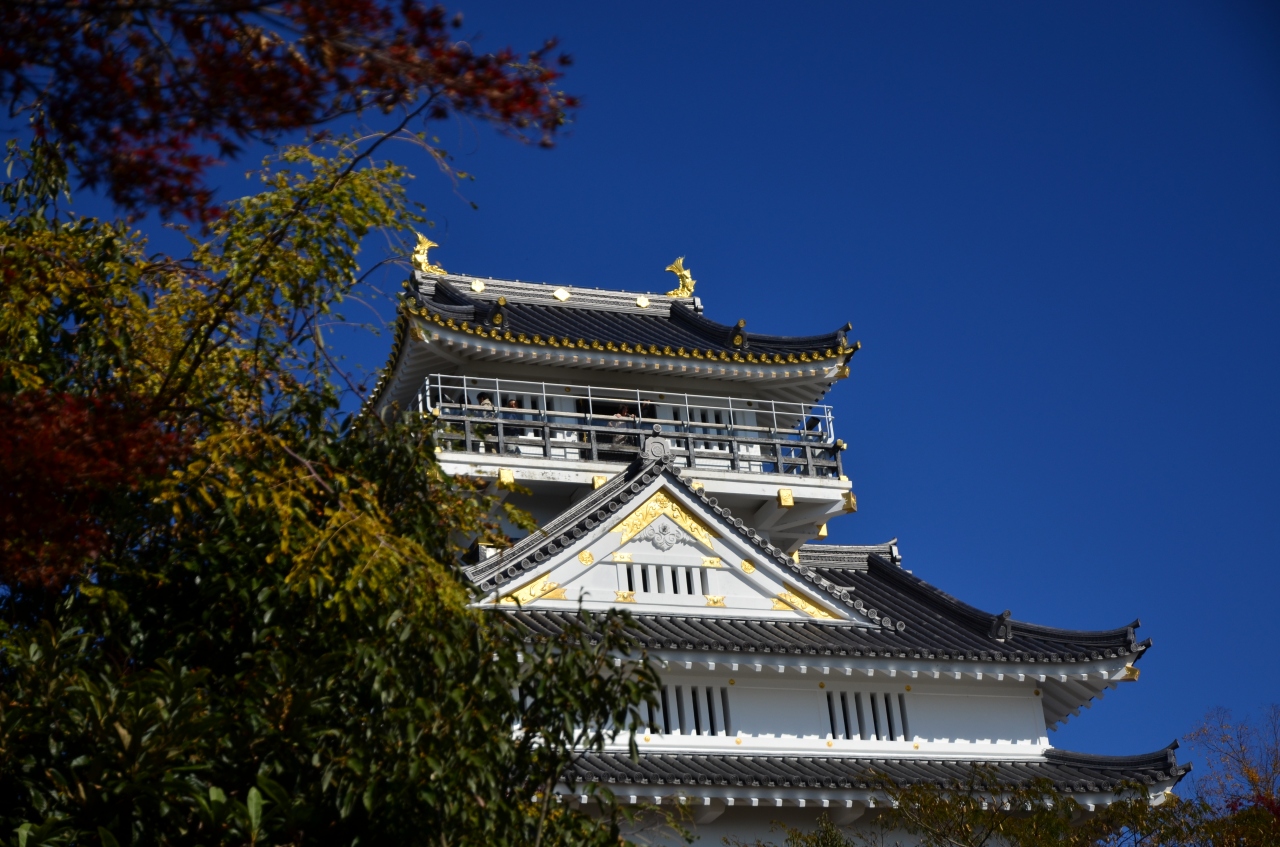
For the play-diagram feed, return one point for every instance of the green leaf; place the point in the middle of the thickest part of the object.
(108, 840)
(274, 790)
(254, 804)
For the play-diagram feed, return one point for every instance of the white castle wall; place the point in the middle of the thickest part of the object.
(747, 711)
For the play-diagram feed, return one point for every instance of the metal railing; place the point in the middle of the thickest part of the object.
(590, 423)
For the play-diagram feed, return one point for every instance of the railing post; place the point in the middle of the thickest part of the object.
(595, 448)
(808, 459)
(501, 443)
(466, 432)
(546, 435)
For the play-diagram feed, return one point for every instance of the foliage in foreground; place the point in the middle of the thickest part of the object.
(228, 616)
(1242, 761)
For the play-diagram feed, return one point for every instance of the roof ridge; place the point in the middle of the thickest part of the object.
(487, 280)
(868, 547)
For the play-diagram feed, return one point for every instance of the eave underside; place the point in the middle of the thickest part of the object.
(428, 350)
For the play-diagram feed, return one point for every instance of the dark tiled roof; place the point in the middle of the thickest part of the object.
(944, 640)
(914, 619)
(1069, 772)
(677, 331)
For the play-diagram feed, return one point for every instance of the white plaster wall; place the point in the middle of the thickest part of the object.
(758, 710)
(976, 716)
(817, 714)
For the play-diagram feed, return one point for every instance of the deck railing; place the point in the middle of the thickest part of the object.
(589, 423)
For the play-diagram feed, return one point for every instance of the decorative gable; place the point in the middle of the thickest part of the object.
(659, 505)
(665, 551)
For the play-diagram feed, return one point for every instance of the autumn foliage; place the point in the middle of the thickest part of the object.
(62, 458)
(229, 613)
(146, 97)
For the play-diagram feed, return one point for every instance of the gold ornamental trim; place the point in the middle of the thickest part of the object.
(795, 601)
(662, 504)
(622, 557)
(711, 561)
(747, 567)
(587, 557)
(715, 600)
(625, 596)
(540, 589)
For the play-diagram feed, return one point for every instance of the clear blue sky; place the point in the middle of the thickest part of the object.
(1056, 230)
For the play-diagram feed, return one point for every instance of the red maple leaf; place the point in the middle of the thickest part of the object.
(147, 96)
(63, 458)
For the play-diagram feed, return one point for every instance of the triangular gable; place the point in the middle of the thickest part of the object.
(650, 543)
(659, 504)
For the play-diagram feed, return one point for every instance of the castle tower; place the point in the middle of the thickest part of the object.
(685, 470)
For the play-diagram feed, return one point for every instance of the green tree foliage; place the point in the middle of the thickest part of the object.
(230, 616)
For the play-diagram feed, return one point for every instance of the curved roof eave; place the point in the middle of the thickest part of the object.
(703, 773)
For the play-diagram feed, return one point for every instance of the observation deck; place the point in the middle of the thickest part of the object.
(776, 461)
(586, 423)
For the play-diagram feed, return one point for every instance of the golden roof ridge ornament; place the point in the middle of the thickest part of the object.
(684, 275)
(420, 260)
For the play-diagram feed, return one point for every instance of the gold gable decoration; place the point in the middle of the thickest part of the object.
(661, 504)
(790, 600)
(540, 589)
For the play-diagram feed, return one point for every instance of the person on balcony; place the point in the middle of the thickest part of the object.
(487, 411)
(511, 412)
(621, 420)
